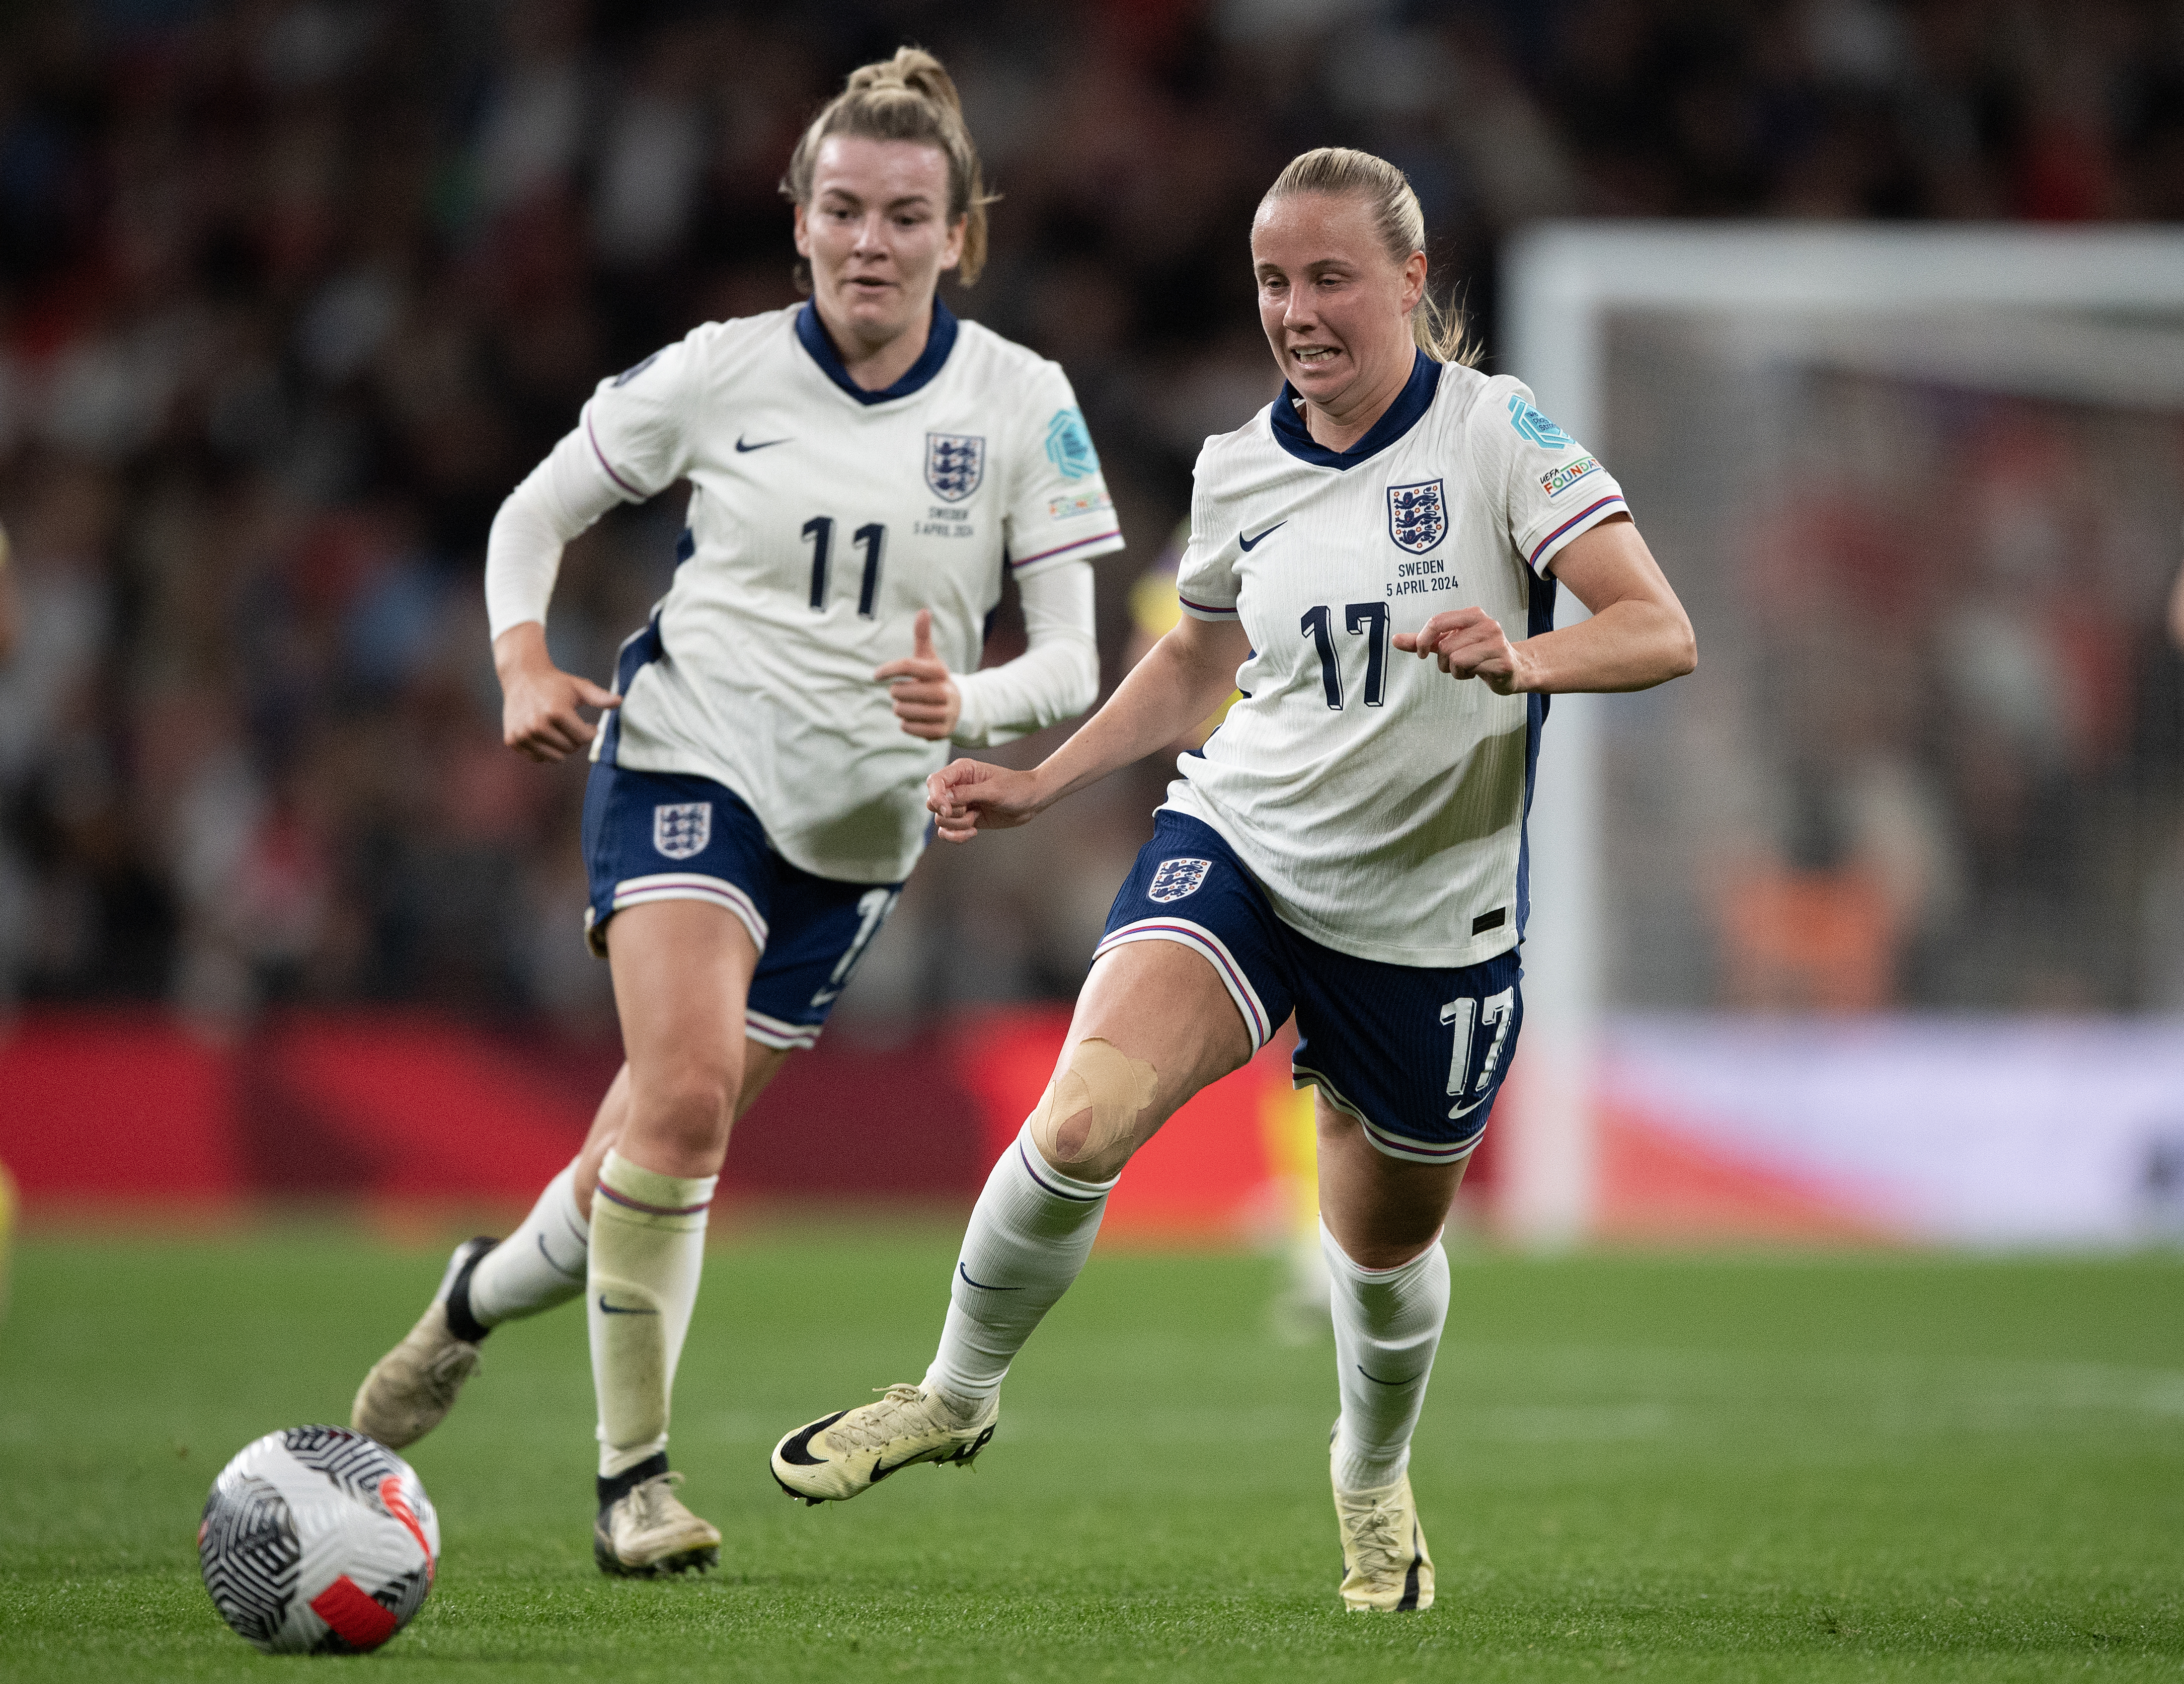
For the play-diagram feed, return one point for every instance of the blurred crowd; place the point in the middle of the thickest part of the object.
(292, 292)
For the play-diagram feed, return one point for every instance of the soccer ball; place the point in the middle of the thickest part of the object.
(318, 1540)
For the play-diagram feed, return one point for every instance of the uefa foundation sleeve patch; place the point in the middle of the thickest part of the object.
(1562, 478)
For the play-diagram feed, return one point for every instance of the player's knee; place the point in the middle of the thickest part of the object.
(691, 1105)
(1087, 1121)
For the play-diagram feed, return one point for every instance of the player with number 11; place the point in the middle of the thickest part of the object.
(862, 472)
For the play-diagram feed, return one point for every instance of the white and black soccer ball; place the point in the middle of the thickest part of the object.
(318, 1540)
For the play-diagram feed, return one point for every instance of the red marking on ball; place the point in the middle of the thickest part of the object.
(352, 1616)
(390, 1493)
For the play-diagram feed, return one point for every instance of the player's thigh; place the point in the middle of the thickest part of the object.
(1186, 984)
(682, 972)
(1162, 1009)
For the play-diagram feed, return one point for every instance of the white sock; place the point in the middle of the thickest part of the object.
(541, 1264)
(1387, 1326)
(648, 1249)
(1030, 1233)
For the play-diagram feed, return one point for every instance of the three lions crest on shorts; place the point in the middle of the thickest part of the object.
(683, 828)
(1417, 515)
(1177, 878)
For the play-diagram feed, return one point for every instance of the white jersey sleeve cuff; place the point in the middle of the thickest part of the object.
(562, 497)
(1076, 549)
(1056, 676)
(1544, 550)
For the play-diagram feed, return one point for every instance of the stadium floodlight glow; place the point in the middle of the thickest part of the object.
(1843, 296)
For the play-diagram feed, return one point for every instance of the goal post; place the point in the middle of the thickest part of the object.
(2113, 298)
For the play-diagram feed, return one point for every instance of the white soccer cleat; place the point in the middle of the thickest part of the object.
(648, 1531)
(410, 1389)
(1385, 1567)
(842, 1455)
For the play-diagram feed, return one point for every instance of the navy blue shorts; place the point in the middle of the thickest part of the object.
(1417, 1055)
(657, 836)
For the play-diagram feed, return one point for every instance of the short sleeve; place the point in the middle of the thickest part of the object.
(1058, 509)
(1206, 586)
(639, 422)
(1555, 489)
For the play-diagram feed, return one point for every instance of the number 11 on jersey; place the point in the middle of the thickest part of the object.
(819, 533)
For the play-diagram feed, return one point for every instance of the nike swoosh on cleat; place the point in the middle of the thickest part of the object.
(796, 1448)
(981, 1285)
(622, 1309)
(1253, 543)
(763, 444)
(880, 1473)
(1377, 1380)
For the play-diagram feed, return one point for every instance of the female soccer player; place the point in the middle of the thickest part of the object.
(1350, 846)
(862, 472)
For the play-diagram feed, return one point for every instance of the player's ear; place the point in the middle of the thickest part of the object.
(803, 234)
(952, 252)
(1414, 281)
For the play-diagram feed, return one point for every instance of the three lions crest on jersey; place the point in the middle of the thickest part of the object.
(954, 463)
(1379, 803)
(1417, 516)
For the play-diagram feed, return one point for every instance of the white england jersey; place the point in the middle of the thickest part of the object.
(1379, 802)
(822, 519)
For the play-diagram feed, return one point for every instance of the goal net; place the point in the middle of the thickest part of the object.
(1921, 492)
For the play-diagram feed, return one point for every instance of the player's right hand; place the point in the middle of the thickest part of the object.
(538, 714)
(967, 797)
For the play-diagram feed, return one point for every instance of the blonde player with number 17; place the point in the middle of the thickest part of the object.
(1373, 564)
(863, 471)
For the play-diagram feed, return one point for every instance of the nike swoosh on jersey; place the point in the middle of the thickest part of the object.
(825, 995)
(1457, 1113)
(763, 444)
(1253, 543)
(622, 1309)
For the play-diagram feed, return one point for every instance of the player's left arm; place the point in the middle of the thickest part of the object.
(1638, 637)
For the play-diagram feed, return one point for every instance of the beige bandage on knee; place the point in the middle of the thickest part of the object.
(1092, 1104)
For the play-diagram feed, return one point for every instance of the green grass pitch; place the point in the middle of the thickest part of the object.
(1676, 1467)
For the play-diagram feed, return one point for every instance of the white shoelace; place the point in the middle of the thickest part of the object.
(1382, 1545)
(877, 1424)
(656, 1501)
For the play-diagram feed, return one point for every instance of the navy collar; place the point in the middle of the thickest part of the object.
(940, 340)
(1411, 403)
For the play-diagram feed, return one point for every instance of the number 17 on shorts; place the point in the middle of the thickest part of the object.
(1481, 1033)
